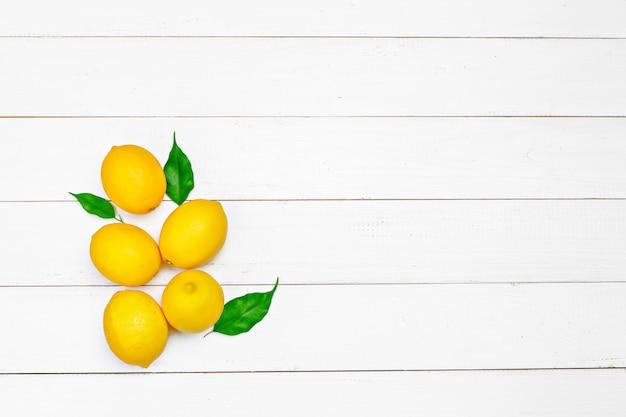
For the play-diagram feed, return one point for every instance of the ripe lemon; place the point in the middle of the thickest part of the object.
(133, 179)
(135, 327)
(193, 233)
(125, 254)
(192, 301)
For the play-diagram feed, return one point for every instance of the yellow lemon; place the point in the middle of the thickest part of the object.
(133, 179)
(192, 301)
(125, 254)
(193, 233)
(135, 328)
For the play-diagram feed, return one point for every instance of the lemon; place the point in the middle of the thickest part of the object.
(125, 254)
(192, 301)
(193, 233)
(135, 328)
(133, 179)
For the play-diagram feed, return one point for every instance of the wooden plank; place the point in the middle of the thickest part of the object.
(336, 158)
(309, 242)
(312, 77)
(536, 18)
(339, 328)
(462, 394)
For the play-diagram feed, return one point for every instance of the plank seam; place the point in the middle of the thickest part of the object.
(414, 116)
(593, 38)
(327, 371)
(342, 284)
(295, 200)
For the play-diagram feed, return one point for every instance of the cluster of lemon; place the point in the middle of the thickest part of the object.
(135, 325)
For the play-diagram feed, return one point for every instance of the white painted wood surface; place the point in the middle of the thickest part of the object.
(336, 158)
(439, 185)
(364, 18)
(312, 77)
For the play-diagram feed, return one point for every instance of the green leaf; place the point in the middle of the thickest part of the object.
(178, 174)
(96, 205)
(242, 313)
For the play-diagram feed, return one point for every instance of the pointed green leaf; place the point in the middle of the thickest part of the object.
(96, 205)
(178, 174)
(242, 313)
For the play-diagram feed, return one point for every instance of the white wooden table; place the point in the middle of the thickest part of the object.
(439, 185)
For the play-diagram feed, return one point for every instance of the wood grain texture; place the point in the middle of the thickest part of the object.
(339, 328)
(452, 394)
(312, 77)
(330, 158)
(534, 18)
(385, 242)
